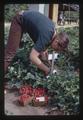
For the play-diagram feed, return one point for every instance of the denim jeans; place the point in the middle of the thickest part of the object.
(15, 35)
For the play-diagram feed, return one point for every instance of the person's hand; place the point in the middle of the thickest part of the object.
(51, 73)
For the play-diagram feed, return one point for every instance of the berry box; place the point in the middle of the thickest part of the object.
(25, 99)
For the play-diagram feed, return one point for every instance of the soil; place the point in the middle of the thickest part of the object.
(12, 107)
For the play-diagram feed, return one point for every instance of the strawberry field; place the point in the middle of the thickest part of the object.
(63, 88)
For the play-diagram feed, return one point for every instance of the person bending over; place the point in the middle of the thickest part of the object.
(43, 33)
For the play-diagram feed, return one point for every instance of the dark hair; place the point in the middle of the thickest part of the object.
(63, 39)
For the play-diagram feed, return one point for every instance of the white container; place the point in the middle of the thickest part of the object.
(55, 56)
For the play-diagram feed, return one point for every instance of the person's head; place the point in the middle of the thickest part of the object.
(60, 41)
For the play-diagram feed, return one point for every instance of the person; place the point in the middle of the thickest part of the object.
(43, 33)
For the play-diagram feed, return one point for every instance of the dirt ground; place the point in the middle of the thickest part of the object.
(13, 108)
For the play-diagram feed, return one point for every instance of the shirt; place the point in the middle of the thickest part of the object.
(39, 27)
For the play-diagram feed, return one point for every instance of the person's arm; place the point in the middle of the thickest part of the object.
(44, 55)
(34, 57)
